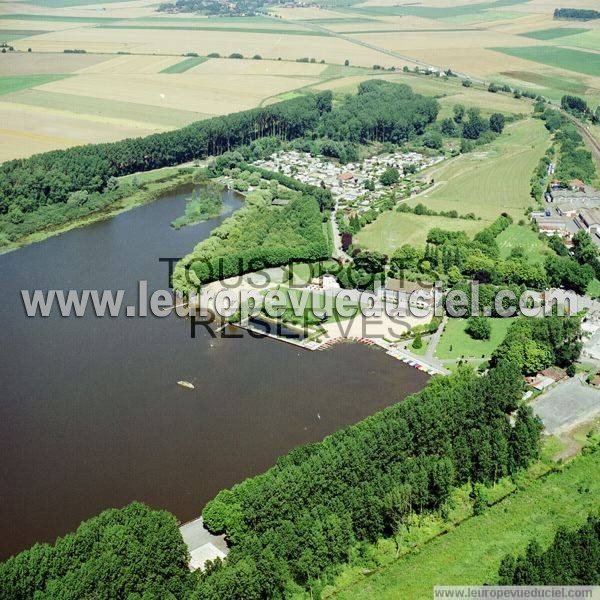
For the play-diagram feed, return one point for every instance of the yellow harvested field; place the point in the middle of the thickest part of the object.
(196, 92)
(526, 23)
(428, 3)
(482, 63)
(27, 130)
(35, 25)
(129, 65)
(233, 66)
(389, 22)
(123, 10)
(330, 49)
(40, 64)
(302, 13)
(409, 42)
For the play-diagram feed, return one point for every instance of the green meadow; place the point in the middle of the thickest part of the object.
(553, 33)
(587, 63)
(515, 236)
(470, 553)
(185, 65)
(14, 83)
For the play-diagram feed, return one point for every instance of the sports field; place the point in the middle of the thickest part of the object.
(470, 553)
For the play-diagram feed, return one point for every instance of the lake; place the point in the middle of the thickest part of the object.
(91, 414)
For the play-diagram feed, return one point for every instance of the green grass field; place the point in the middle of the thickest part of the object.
(14, 83)
(471, 553)
(553, 33)
(185, 65)
(456, 343)
(10, 35)
(515, 235)
(492, 179)
(587, 63)
(562, 84)
(593, 289)
(483, 17)
(392, 229)
(590, 39)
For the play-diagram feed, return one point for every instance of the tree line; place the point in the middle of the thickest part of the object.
(573, 558)
(578, 14)
(292, 525)
(133, 552)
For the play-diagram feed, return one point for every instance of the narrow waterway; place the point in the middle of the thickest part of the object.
(91, 416)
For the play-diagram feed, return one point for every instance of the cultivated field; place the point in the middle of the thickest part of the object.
(151, 85)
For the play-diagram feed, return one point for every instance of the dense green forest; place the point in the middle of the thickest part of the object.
(573, 558)
(134, 553)
(574, 160)
(256, 236)
(381, 112)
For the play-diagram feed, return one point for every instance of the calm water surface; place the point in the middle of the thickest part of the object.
(91, 416)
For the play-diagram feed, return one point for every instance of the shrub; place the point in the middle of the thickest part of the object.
(479, 328)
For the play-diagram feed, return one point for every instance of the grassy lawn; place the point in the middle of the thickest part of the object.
(553, 33)
(14, 83)
(456, 343)
(563, 58)
(186, 64)
(593, 289)
(470, 554)
(392, 229)
(515, 235)
(492, 179)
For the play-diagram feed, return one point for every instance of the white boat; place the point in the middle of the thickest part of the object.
(186, 384)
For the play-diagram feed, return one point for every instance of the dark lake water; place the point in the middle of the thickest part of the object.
(91, 416)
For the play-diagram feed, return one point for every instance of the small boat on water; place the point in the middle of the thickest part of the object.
(186, 384)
